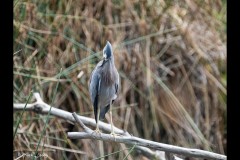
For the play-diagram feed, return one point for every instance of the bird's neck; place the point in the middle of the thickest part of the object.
(111, 60)
(110, 66)
(108, 72)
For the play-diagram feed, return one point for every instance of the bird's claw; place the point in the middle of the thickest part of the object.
(114, 135)
(96, 131)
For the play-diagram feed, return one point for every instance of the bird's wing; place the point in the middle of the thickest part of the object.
(104, 111)
(94, 88)
(117, 84)
(98, 65)
(94, 91)
(95, 103)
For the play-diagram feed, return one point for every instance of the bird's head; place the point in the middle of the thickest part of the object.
(107, 51)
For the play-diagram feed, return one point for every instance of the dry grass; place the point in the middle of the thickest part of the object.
(171, 56)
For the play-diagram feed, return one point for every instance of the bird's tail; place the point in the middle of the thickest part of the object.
(103, 112)
(95, 106)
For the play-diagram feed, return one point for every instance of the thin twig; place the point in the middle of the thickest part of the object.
(20, 119)
(17, 52)
(60, 148)
(86, 129)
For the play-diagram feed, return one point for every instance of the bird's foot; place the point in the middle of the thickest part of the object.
(114, 135)
(97, 132)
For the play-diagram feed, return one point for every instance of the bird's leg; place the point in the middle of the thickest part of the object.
(112, 130)
(97, 128)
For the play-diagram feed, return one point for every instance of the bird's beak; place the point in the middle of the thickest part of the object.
(104, 57)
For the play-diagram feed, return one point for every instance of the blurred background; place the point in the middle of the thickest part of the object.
(171, 57)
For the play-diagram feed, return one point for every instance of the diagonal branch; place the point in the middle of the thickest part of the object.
(132, 140)
(86, 129)
(125, 137)
(43, 108)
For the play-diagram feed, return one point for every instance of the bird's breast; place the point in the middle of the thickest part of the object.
(109, 74)
(107, 94)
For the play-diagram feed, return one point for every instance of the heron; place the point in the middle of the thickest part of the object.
(104, 86)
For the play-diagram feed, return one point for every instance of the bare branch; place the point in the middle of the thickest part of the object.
(125, 137)
(131, 140)
(43, 108)
(86, 129)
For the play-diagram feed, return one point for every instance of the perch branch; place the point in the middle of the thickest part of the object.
(40, 107)
(131, 140)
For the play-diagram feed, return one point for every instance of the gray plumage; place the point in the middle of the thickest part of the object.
(104, 83)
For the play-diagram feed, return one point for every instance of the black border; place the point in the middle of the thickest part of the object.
(233, 80)
(6, 79)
